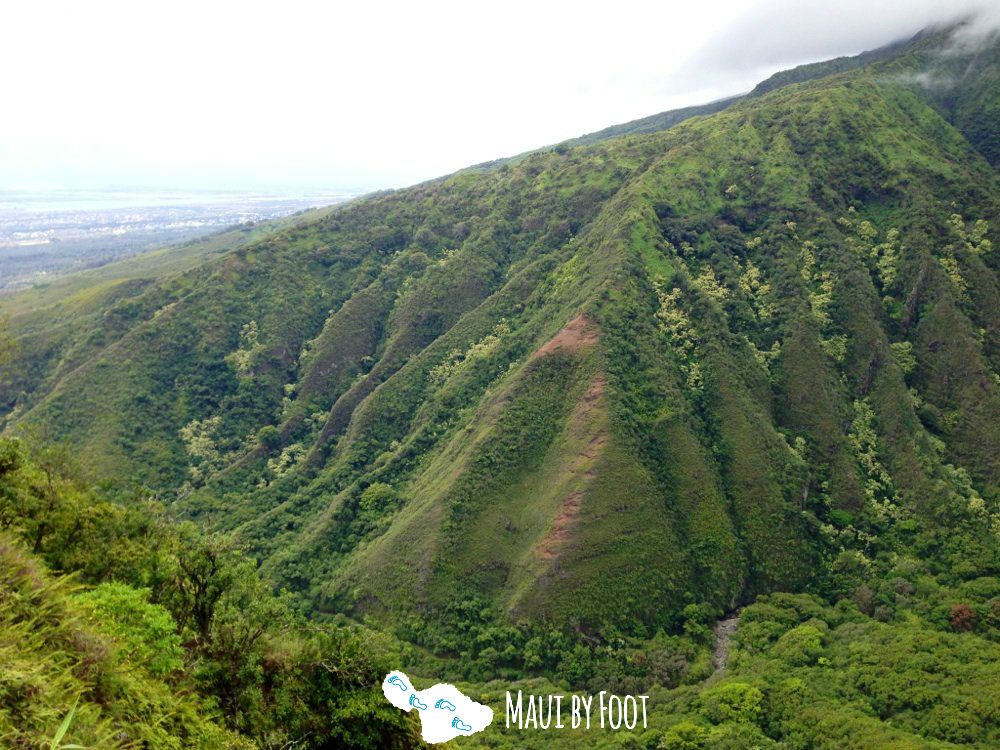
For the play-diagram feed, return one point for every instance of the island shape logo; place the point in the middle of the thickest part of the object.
(445, 713)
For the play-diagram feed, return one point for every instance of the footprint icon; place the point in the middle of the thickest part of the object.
(397, 681)
(460, 725)
(415, 701)
(445, 704)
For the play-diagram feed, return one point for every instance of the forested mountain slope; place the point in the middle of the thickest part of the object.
(66, 320)
(123, 628)
(754, 352)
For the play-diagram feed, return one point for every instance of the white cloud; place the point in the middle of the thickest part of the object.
(778, 34)
(373, 94)
(377, 92)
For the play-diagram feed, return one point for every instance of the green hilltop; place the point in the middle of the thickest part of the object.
(615, 388)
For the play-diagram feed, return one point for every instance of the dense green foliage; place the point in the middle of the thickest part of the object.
(52, 658)
(546, 421)
(805, 674)
(163, 637)
(812, 71)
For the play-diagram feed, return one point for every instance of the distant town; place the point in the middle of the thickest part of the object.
(46, 233)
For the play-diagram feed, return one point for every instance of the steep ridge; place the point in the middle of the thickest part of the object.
(600, 383)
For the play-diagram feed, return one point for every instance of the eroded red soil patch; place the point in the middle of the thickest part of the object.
(578, 334)
(555, 539)
(582, 464)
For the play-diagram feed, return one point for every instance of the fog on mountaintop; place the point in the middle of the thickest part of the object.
(778, 34)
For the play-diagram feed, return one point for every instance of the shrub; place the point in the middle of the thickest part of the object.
(962, 618)
(800, 646)
(11, 455)
(684, 736)
(269, 437)
(733, 701)
(144, 633)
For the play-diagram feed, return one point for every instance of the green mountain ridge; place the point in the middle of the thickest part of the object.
(666, 120)
(595, 385)
(537, 425)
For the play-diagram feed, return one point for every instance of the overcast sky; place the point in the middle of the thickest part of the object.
(373, 94)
